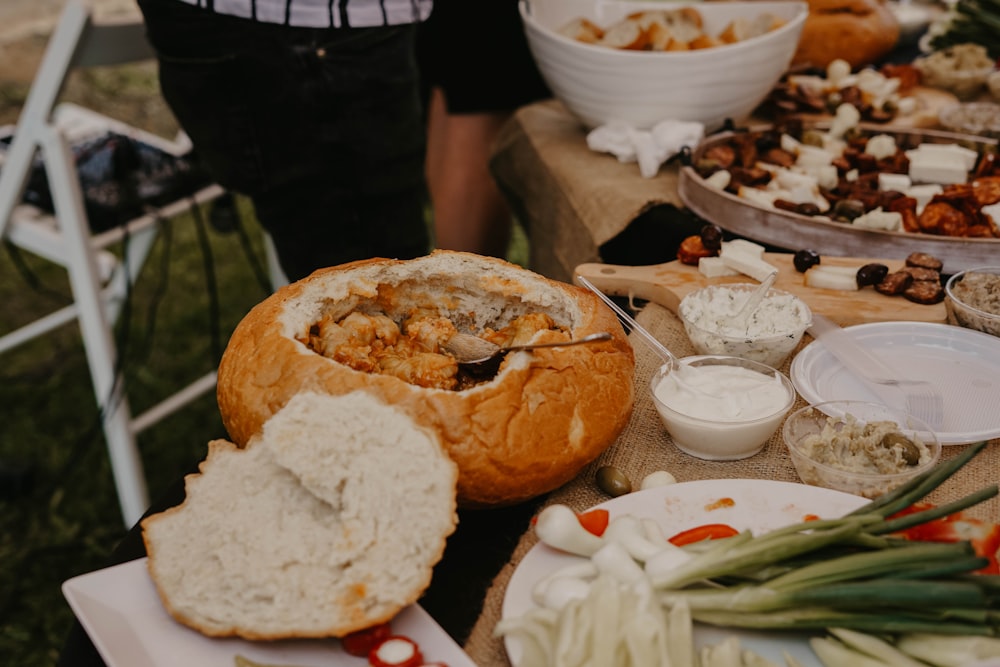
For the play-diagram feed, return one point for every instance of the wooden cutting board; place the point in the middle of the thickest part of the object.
(666, 284)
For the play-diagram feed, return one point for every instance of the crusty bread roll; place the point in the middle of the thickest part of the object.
(862, 32)
(330, 521)
(526, 432)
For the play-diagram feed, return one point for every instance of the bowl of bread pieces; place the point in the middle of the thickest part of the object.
(643, 62)
(381, 326)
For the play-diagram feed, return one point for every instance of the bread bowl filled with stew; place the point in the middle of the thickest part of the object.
(381, 326)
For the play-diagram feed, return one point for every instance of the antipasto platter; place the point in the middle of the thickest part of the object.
(765, 223)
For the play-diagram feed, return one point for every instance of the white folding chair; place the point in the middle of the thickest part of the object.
(99, 278)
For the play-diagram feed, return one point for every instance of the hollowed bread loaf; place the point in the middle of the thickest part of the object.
(321, 526)
(532, 428)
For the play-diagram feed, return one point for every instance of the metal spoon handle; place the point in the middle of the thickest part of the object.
(590, 338)
(638, 328)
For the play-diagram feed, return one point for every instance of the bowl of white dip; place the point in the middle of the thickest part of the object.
(867, 449)
(721, 408)
(768, 335)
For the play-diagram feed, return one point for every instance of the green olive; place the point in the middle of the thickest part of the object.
(911, 453)
(613, 481)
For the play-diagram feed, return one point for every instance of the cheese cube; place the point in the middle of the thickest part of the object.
(897, 182)
(714, 267)
(967, 156)
(755, 250)
(747, 264)
(942, 168)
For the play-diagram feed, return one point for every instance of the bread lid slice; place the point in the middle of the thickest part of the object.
(328, 522)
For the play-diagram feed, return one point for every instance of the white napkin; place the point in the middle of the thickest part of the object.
(650, 148)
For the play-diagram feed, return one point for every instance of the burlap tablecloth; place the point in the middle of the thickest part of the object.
(571, 199)
(644, 447)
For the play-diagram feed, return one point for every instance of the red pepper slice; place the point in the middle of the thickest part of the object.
(360, 643)
(396, 651)
(708, 531)
(984, 536)
(594, 521)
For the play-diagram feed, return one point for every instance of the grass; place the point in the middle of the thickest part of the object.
(59, 514)
(65, 520)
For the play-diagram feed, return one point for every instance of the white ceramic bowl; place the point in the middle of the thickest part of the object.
(641, 88)
(768, 337)
(841, 466)
(726, 426)
(983, 313)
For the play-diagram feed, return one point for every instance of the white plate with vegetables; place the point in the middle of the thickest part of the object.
(756, 505)
(122, 613)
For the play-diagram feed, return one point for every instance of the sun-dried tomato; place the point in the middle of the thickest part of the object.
(986, 190)
(693, 249)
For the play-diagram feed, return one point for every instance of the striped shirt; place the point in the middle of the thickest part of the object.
(322, 13)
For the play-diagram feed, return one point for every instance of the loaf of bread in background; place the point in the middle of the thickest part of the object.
(328, 522)
(862, 32)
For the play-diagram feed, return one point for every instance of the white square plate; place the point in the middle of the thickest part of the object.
(121, 611)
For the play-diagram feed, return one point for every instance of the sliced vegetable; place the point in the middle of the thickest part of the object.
(708, 531)
(875, 647)
(945, 651)
(361, 643)
(395, 651)
(595, 520)
(983, 536)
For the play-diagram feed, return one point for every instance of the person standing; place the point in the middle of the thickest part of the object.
(477, 70)
(312, 109)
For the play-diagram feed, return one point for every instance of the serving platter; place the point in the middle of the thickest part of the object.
(793, 231)
(757, 505)
(122, 613)
(666, 284)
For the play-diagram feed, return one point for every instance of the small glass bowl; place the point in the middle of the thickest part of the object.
(770, 348)
(980, 118)
(961, 69)
(805, 424)
(980, 316)
(718, 438)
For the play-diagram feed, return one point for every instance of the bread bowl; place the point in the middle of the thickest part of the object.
(525, 432)
(862, 32)
(320, 527)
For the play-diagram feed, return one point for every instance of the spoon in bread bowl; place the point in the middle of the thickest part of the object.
(479, 356)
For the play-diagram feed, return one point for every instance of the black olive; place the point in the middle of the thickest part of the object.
(872, 274)
(805, 260)
(613, 481)
(910, 452)
(807, 208)
(711, 236)
(846, 210)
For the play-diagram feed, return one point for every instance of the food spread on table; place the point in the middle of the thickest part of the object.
(363, 344)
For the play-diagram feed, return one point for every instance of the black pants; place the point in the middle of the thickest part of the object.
(321, 128)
